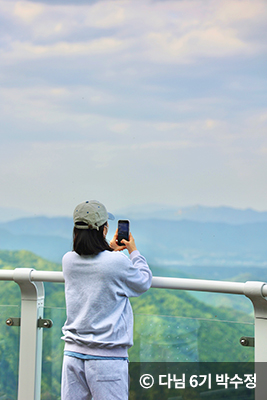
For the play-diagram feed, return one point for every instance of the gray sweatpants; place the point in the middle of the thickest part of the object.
(94, 379)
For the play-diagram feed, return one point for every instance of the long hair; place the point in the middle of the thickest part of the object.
(89, 241)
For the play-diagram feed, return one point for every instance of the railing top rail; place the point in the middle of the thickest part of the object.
(157, 282)
(198, 285)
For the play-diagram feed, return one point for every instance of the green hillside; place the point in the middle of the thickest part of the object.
(170, 326)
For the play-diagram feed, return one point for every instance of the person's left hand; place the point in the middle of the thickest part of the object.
(114, 243)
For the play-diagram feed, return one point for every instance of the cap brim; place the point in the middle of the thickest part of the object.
(111, 216)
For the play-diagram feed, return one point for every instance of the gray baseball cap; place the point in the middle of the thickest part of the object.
(92, 213)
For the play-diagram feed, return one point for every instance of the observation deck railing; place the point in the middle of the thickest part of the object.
(31, 286)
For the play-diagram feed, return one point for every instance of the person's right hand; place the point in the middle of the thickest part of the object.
(114, 243)
(130, 245)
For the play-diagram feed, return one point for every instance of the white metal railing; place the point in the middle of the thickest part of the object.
(31, 285)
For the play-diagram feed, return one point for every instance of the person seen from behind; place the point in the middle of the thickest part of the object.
(98, 331)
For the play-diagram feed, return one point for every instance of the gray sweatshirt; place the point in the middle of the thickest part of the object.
(97, 290)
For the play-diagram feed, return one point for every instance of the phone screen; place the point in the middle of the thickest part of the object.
(123, 230)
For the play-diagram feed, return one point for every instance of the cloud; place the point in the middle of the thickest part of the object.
(26, 50)
(27, 11)
(67, 2)
(222, 31)
(233, 11)
(119, 127)
(182, 165)
(168, 32)
(53, 110)
(134, 99)
(212, 42)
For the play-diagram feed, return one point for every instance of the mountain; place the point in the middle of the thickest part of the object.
(49, 247)
(40, 226)
(165, 242)
(204, 244)
(50, 238)
(10, 213)
(196, 213)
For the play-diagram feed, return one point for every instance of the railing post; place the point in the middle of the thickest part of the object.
(30, 357)
(253, 290)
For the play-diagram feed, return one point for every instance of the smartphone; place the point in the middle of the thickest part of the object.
(123, 230)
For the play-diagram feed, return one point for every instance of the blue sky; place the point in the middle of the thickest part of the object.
(132, 102)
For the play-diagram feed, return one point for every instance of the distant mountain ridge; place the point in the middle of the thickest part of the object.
(164, 242)
(11, 213)
(40, 225)
(196, 213)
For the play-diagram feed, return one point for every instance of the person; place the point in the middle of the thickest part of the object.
(98, 331)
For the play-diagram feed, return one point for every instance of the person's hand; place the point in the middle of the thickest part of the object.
(114, 243)
(130, 245)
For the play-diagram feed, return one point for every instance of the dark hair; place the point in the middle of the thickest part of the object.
(89, 241)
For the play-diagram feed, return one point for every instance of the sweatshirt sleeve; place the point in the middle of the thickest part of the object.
(139, 275)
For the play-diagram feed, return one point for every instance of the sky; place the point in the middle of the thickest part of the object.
(133, 102)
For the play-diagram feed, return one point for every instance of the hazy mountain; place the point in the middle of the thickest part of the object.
(49, 247)
(198, 213)
(40, 226)
(195, 213)
(203, 244)
(164, 242)
(10, 213)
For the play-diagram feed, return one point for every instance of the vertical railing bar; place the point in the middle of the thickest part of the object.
(30, 357)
